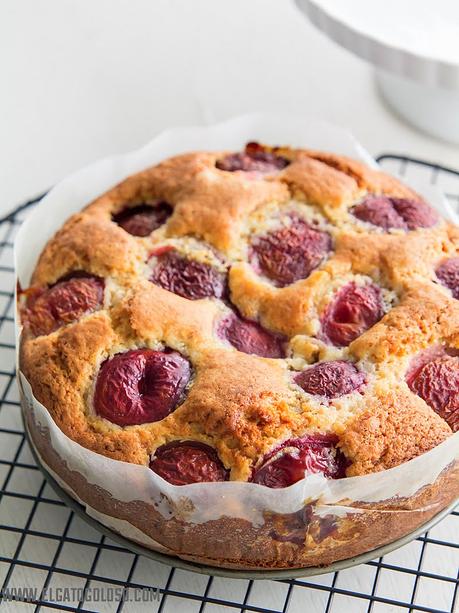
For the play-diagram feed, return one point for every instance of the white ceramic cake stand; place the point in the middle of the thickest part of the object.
(414, 46)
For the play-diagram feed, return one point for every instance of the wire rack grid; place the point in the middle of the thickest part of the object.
(43, 544)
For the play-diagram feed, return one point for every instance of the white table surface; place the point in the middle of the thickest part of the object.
(82, 79)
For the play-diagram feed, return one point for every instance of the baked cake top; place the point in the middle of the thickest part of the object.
(250, 316)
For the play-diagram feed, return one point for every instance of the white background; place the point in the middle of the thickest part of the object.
(82, 79)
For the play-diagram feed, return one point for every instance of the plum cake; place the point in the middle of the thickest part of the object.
(255, 316)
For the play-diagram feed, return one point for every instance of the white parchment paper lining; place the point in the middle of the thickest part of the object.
(128, 482)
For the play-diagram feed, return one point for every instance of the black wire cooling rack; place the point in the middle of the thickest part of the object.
(44, 545)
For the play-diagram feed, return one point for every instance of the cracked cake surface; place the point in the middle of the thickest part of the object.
(250, 316)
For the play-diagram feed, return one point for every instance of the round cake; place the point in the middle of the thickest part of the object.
(258, 316)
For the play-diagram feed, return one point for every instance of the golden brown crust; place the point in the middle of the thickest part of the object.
(367, 178)
(86, 243)
(392, 429)
(243, 404)
(215, 207)
(425, 316)
(319, 183)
